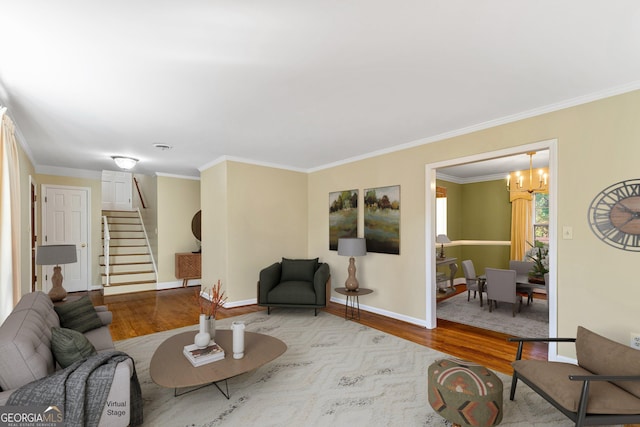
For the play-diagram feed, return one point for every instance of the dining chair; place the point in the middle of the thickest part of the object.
(523, 268)
(474, 283)
(501, 286)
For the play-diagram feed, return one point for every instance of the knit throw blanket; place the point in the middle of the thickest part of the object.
(81, 389)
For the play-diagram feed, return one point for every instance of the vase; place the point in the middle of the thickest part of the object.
(211, 326)
(238, 339)
(202, 338)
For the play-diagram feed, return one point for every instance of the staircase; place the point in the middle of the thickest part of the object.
(131, 267)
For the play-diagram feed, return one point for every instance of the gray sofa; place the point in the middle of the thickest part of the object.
(26, 355)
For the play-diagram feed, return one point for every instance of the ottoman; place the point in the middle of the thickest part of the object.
(465, 393)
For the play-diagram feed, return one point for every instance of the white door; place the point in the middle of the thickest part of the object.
(65, 213)
(116, 190)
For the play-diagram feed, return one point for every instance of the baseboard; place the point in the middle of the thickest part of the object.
(176, 284)
(385, 313)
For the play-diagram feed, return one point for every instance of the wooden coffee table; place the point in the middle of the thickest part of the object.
(170, 368)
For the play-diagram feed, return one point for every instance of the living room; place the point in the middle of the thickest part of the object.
(256, 212)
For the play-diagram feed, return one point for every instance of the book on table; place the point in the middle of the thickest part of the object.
(200, 356)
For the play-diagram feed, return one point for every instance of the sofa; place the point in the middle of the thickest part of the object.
(302, 283)
(602, 388)
(27, 354)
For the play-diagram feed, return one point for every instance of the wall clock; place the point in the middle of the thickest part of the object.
(614, 215)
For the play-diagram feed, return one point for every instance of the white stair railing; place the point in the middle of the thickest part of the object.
(106, 240)
(146, 238)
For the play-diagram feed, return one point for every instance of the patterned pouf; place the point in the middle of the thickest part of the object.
(465, 393)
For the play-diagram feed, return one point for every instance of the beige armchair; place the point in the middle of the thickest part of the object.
(602, 388)
(501, 286)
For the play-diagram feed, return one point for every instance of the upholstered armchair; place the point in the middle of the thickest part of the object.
(474, 283)
(295, 283)
(501, 286)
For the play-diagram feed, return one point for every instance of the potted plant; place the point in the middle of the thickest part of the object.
(539, 254)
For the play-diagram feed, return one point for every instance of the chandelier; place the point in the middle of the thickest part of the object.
(519, 179)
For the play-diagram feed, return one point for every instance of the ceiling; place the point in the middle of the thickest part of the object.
(300, 84)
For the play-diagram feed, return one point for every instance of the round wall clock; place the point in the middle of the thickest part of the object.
(614, 215)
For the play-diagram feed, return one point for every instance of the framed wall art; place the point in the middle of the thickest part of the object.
(343, 216)
(382, 219)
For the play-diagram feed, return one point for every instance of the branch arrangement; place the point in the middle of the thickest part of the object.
(212, 300)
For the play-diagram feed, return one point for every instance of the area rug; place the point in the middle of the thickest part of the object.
(532, 321)
(334, 373)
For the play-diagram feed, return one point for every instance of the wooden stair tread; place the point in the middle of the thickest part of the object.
(136, 254)
(126, 263)
(141, 282)
(124, 273)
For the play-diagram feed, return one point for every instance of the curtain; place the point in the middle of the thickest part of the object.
(10, 291)
(521, 225)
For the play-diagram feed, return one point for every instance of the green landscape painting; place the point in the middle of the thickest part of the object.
(382, 219)
(343, 216)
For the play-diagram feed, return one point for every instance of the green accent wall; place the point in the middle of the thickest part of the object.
(478, 211)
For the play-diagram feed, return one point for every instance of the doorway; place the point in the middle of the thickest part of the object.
(65, 220)
(430, 209)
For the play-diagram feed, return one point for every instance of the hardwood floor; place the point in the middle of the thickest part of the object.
(154, 311)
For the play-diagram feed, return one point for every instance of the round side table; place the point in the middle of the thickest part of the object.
(353, 301)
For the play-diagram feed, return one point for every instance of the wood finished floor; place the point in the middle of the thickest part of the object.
(155, 311)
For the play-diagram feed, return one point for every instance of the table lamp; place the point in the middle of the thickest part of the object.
(56, 255)
(442, 239)
(352, 247)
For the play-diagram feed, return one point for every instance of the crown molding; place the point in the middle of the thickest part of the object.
(223, 159)
(170, 175)
(573, 102)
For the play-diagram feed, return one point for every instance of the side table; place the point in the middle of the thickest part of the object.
(353, 302)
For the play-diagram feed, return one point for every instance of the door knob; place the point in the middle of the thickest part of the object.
(83, 245)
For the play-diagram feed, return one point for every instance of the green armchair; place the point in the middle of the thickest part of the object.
(295, 283)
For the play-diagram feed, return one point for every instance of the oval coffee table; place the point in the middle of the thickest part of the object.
(170, 368)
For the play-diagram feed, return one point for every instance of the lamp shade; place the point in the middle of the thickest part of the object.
(352, 246)
(56, 254)
(442, 238)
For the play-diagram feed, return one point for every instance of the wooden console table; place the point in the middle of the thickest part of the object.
(188, 266)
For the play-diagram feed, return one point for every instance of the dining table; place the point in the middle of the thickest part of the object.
(523, 285)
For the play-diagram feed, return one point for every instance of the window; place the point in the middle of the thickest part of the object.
(441, 210)
(541, 217)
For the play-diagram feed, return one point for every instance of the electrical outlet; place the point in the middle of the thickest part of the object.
(635, 340)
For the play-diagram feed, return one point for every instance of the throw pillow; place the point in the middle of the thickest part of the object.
(298, 269)
(78, 315)
(69, 346)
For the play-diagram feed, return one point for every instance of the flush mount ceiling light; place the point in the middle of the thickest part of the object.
(124, 162)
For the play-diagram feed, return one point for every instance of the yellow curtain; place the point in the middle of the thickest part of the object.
(9, 217)
(521, 225)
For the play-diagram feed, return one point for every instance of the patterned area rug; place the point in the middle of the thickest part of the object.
(532, 321)
(334, 373)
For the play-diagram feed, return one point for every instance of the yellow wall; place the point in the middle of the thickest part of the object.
(214, 205)
(265, 212)
(178, 202)
(597, 146)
